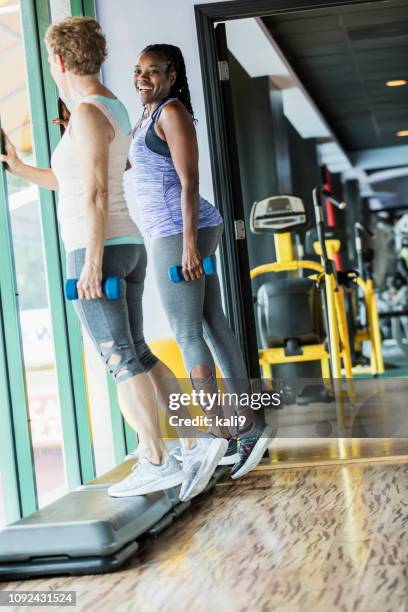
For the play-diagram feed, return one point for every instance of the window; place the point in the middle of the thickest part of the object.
(30, 268)
(2, 508)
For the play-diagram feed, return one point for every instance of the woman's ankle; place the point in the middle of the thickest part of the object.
(220, 431)
(155, 456)
(188, 443)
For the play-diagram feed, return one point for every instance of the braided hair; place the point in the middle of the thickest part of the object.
(175, 61)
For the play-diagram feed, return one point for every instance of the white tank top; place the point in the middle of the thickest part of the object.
(66, 166)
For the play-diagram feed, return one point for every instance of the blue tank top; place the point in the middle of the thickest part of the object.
(158, 188)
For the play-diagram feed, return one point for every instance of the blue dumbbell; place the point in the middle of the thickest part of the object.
(110, 287)
(209, 265)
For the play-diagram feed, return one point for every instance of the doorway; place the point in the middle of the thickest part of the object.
(272, 75)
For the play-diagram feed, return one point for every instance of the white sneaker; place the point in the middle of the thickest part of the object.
(147, 478)
(230, 457)
(135, 453)
(199, 464)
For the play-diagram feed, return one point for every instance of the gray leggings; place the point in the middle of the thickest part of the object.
(116, 326)
(194, 309)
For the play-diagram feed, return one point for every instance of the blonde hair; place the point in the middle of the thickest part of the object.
(80, 42)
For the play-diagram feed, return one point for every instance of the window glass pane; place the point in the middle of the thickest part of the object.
(60, 9)
(2, 512)
(35, 316)
(99, 408)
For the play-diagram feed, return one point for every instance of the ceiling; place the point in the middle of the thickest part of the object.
(344, 56)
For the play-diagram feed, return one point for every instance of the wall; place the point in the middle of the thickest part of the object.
(305, 170)
(352, 196)
(273, 158)
(258, 122)
(130, 25)
(256, 136)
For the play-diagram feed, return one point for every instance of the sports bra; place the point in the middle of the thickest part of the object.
(153, 141)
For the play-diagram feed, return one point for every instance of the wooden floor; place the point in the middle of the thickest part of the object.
(309, 538)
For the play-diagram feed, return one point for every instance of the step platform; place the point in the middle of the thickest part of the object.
(86, 531)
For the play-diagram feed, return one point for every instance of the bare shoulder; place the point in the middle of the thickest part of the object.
(89, 114)
(175, 110)
(88, 118)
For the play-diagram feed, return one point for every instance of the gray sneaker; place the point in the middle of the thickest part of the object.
(199, 464)
(147, 477)
(252, 446)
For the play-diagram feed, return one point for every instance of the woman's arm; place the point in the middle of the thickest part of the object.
(93, 134)
(178, 130)
(43, 177)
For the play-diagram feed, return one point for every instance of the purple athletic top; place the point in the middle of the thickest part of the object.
(158, 188)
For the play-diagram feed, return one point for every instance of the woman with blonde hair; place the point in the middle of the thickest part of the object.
(101, 240)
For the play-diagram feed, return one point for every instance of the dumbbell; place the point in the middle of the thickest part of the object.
(110, 287)
(209, 265)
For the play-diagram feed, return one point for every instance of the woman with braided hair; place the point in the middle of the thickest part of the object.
(184, 228)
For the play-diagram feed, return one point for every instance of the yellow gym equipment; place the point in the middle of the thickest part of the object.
(371, 332)
(370, 328)
(281, 215)
(362, 286)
